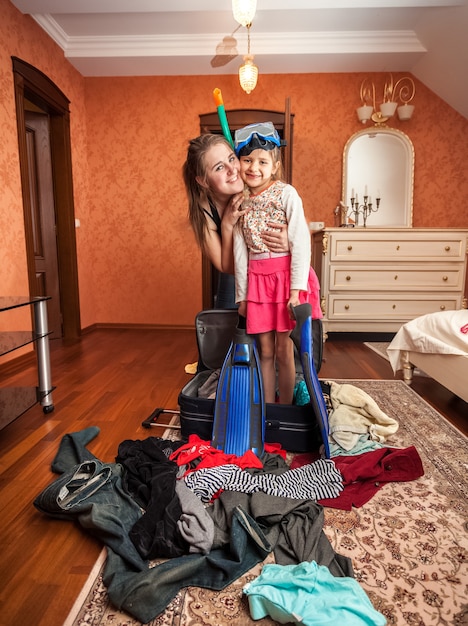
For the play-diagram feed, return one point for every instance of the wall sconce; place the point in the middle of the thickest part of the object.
(248, 72)
(401, 92)
(244, 11)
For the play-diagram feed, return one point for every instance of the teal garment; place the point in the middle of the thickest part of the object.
(364, 444)
(309, 595)
(301, 394)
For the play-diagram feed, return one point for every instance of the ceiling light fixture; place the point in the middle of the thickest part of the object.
(244, 11)
(248, 72)
(401, 92)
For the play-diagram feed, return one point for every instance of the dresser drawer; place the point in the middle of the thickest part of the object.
(396, 278)
(398, 248)
(386, 307)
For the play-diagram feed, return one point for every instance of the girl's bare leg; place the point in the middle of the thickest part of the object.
(286, 367)
(266, 343)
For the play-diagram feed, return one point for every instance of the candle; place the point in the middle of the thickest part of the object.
(352, 192)
(365, 190)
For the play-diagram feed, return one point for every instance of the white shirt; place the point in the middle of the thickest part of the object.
(279, 203)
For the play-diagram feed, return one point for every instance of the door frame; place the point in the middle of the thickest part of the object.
(32, 84)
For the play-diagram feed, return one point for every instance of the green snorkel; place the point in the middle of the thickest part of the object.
(218, 98)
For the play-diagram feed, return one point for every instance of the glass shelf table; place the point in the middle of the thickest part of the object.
(14, 401)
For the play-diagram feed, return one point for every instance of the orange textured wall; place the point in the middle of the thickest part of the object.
(20, 36)
(144, 251)
(137, 258)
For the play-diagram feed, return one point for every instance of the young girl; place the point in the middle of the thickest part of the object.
(268, 282)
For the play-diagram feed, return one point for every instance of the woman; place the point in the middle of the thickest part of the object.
(215, 192)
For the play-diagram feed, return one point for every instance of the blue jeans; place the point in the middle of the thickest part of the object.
(226, 292)
(91, 492)
(144, 595)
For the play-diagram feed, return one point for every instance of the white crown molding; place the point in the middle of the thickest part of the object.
(342, 42)
(52, 28)
(361, 42)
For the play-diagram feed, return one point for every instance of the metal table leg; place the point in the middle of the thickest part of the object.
(44, 390)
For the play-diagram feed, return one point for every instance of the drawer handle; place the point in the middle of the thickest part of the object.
(442, 307)
(346, 307)
(398, 247)
(395, 277)
(445, 278)
(394, 306)
(447, 248)
(350, 247)
(348, 277)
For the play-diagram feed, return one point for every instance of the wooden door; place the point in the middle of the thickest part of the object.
(34, 91)
(43, 221)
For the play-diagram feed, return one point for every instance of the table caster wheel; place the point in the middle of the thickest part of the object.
(48, 409)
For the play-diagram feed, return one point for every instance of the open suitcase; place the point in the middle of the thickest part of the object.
(294, 427)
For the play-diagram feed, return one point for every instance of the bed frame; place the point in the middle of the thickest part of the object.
(450, 370)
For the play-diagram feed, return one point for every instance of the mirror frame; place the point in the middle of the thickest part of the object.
(407, 210)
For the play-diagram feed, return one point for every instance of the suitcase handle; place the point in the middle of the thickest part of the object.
(152, 420)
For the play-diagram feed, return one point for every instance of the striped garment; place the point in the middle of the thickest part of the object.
(314, 481)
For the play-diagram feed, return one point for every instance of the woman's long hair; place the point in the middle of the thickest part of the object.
(198, 196)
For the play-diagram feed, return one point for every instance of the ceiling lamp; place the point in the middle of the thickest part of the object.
(402, 92)
(248, 72)
(244, 11)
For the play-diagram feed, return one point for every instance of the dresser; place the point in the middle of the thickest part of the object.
(376, 279)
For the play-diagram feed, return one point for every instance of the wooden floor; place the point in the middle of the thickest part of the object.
(112, 379)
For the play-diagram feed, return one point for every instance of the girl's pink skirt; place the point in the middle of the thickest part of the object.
(268, 294)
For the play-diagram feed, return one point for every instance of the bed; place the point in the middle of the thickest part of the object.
(437, 344)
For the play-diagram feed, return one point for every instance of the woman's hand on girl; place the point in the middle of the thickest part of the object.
(234, 209)
(276, 238)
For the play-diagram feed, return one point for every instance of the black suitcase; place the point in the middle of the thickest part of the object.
(294, 427)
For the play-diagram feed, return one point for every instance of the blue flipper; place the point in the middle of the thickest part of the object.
(302, 338)
(239, 413)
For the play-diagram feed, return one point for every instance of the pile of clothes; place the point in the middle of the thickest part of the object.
(211, 517)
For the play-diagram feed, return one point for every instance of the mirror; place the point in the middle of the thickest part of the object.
(379, 162)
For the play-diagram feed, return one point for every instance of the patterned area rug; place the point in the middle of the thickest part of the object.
(409, 544)
(380, 347)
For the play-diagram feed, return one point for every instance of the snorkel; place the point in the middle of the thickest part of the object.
(218, 98)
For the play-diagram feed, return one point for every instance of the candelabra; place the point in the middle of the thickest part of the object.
(365, 209)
